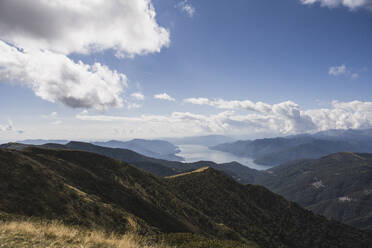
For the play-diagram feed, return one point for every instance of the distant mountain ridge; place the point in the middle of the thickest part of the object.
(87, 189)
(41, 141)
(152, 148)
(275, 151)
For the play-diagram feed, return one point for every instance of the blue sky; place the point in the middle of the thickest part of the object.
(245, 68)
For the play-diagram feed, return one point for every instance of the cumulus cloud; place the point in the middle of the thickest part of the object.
(138, 96)
(187, 7)
(287, 117)
(164, 96)
(351, 4)
(83, 26)
(37, 37)
(55, 77)
(277, 119)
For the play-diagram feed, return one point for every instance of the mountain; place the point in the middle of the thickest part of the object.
(338, 186)
(345, 134)
(160, 167)
(42, 142)
(207, 140)
(152, 148)
(275, 151)
(86, 189)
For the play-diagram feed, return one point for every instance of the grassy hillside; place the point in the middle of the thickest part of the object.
(338, 186)
(95, 192)
(31, 234)
(27, 234)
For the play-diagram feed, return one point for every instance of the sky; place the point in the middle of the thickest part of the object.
(122, 69)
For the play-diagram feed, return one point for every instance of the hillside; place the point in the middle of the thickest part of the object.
(276, 151)
(86, 189)
(338, 186)
(158, 167)
(28, 234)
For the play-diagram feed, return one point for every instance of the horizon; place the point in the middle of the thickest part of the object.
(256, 69)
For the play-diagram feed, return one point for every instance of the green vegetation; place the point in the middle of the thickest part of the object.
(205, 208)
(338, 186)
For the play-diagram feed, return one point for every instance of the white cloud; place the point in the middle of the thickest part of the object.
(55, 77)
(338, 70)
(351, 4)
(83, 26)
(138, 96)
(343, 115)
(287, 117)
(164, 96)
(37, 37)
(187, 7)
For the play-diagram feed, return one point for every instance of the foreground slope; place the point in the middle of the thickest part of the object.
(257, 214)
(337, 186)
(91, 190)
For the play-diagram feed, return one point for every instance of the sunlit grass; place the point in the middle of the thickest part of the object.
(17, 234)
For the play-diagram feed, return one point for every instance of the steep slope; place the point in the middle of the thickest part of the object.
(259, 215)
(81, 188)
(88, 189)
(152, 148)
(337, 186)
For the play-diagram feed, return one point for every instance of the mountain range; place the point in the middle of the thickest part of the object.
(158, 167)
(152, 148)
(87, 189)
(275, 151)
(311, 183)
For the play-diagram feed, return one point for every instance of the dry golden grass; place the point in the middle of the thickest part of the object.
(189, 173)
(26, 234)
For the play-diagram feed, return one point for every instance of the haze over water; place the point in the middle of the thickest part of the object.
(194, 153)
